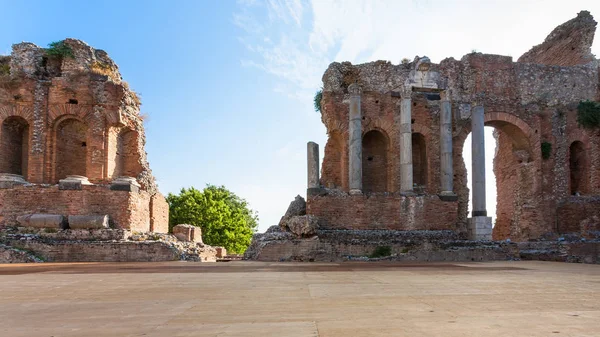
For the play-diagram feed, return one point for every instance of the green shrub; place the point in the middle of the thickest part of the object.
(588, 114)
(381, 251)
(59, 49)
(546, 150)
(317, 100)
(4, 69)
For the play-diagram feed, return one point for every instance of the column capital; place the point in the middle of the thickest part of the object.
(406, 92)
(477, 99)
(354, 89)
(445, 95)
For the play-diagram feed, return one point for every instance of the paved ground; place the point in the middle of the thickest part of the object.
(310, 299)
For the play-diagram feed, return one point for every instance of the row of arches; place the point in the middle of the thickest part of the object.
(377, 170)
(70, 150)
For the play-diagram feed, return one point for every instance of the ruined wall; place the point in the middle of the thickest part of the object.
(382, 211)
(528, 102)
(77, 117)
(159, 214)
(52, 93)
(127, 210)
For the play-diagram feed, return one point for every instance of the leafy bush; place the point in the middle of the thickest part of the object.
(4, 69)
(317, 100)
(381, 251)
(588, 114)
(59, 49)
(546, 150)
(224, 218)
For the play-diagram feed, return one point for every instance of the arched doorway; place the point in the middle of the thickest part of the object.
(578, 169)
(70, 148)
(375, 161)
(419, 153)
(14, 146)
(510, 162)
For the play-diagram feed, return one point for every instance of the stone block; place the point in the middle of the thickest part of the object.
(42, 221)
(128, 184)
(73, 183)
(480, 228)
(88, 221)
(221, 252)
(188, 233)
(8, 180)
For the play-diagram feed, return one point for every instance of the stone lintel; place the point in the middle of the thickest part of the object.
(448, 196)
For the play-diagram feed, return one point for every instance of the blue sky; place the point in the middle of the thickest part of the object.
(228, 85)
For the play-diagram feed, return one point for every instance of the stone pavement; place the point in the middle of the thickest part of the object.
(300, 299)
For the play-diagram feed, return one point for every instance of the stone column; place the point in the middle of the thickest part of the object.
(478, 161)
(447, 170)
(313, 164)
(355, 140)
(480, 225)
(406, 164)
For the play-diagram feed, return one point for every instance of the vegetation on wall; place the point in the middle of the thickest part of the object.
(546, 150)
(317, 100)
(59, 49)
(381, 251)
(4, 69)
(588, 114)
(225, 219)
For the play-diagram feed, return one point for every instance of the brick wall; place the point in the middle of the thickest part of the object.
(159, 214)
(126, 210)
(382, 211)
(578, 215)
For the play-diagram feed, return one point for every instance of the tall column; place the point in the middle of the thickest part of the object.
(313, 164)
(406, 164)
(478, 161)
(447, 170)
(480, 225)
(355, 140)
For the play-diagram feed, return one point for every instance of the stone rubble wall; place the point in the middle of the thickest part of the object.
(422, 246)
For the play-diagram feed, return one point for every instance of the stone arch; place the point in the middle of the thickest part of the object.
(70, 147)
(419, 158)
(578, 169)
(375, 148)
(128, 156)
(14, 146)
(517, 167)
(334, 170)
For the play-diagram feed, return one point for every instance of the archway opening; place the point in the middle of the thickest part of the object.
(14, 146)
(510, 180)
(333, 171)
(578, 169)
(71, 148)
(419, 153)
(375, 160)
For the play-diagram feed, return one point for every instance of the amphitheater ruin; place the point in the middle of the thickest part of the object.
(393, 173)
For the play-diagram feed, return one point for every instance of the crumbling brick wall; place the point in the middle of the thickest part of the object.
(528, 102)
(76, 116)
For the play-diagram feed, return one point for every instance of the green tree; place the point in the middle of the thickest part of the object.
(224, 218)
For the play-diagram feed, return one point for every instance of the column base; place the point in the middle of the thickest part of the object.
(479, 228)
(355, 192)
(408, 193)
(448, 196)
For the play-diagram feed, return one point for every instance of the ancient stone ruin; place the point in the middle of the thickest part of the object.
(393, 173)
(72, 156)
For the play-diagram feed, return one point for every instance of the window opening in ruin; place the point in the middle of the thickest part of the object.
(14, 146)
(375, 165)
(577, 168)
(419, 154)
(73, 101)
(71, 149)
